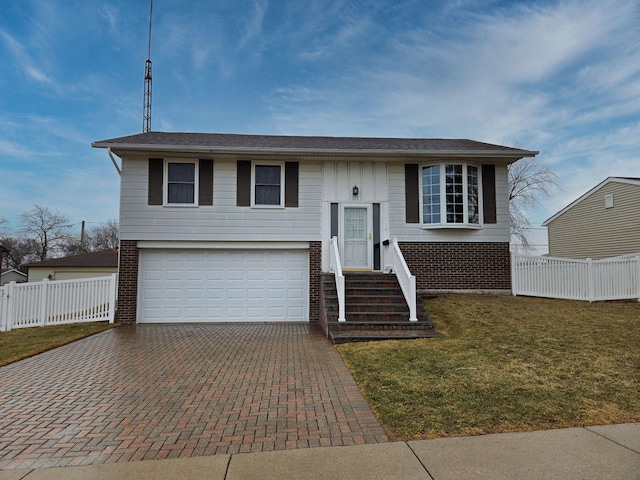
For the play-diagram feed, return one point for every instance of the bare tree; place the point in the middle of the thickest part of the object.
(48, 229)
(21, 250)
(105, 236)
(529, 181)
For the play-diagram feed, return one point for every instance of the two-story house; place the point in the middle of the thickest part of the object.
(223, 227)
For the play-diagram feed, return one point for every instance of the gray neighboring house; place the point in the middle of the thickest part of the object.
(83, 265)
(227, 227)
(12, 275)
(602, 223)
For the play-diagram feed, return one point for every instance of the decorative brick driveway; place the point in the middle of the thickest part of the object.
(166, 391)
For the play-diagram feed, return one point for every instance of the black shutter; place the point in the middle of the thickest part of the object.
(412, 193)
(376, 236)
(205, 182)
(243, 187)
(156, 168)
(291, 184)
(334, 220)
(489, 193)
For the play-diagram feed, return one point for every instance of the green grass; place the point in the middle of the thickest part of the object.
(507, 364)
(26, 342)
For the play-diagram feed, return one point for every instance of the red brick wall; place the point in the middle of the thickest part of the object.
(459, 266)
(315, 269)
(128, 282)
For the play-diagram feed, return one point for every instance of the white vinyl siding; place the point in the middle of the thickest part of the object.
(590, 230)
(224, 221)
(339, 178)
(498, 232)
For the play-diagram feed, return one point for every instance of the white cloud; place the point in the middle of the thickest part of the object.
(24, 60)
(109, 13)
(253, 27)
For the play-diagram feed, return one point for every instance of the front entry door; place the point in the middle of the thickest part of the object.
(357, 238)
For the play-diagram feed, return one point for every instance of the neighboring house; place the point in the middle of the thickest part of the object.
(221, 227)
(12, 275)
(84, 265)
(602, 223)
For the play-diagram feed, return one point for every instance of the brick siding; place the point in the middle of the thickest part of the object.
(128, 282)
(459, 265)
(315, 269)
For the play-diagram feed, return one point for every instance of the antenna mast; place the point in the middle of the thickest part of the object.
(146, 114)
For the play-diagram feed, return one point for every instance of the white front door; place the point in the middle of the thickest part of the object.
(357, 237)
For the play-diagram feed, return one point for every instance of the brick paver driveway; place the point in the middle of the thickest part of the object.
(165, 391)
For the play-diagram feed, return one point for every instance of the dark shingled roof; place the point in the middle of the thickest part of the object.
(103, 258)
(236, 142)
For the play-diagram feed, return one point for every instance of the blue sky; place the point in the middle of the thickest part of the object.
(561, 77)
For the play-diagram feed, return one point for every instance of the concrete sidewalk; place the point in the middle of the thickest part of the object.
(600, 452)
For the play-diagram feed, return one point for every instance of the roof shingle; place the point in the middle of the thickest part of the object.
(239, 142)
(103, 258)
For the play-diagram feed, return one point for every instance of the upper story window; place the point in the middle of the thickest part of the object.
(181, 183)
(450, 195)
(268, 180)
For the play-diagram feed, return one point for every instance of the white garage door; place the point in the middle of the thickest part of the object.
(223, 285)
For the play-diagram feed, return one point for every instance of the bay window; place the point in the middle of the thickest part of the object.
(450, 195)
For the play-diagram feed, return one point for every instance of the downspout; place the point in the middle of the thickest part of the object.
(115, 164)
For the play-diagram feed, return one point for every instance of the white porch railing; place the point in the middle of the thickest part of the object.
(54, 303)
(395, 262)
(335, 266)
(590, 280)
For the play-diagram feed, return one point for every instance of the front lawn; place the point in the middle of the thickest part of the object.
(507, 364)
(25, 342)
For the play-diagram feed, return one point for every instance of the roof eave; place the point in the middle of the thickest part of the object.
(115, 147)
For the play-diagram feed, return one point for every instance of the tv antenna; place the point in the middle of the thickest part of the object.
(146, 113)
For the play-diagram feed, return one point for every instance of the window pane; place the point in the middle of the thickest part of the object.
(267, 175)
(455, 197)
(472, 195)
(181, 172)
(267, 195)
(181, 183)
(355, 223)
(267, 185)
(431, 194)
(180, 193)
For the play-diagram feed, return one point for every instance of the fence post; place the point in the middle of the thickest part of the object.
(514, 281)
(43, 302)
(113, 288)
(590, 280)
(3, 308)
(638, 276)
(10, 302)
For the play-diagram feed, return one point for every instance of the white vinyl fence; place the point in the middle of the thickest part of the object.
(57, 302)
(591, 280)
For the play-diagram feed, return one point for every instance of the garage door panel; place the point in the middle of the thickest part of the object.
(255, 293)
(296, 294)
(215, 293)
(218, 285)
(255, 275)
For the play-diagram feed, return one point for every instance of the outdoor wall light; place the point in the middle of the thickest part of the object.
(355, 191)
